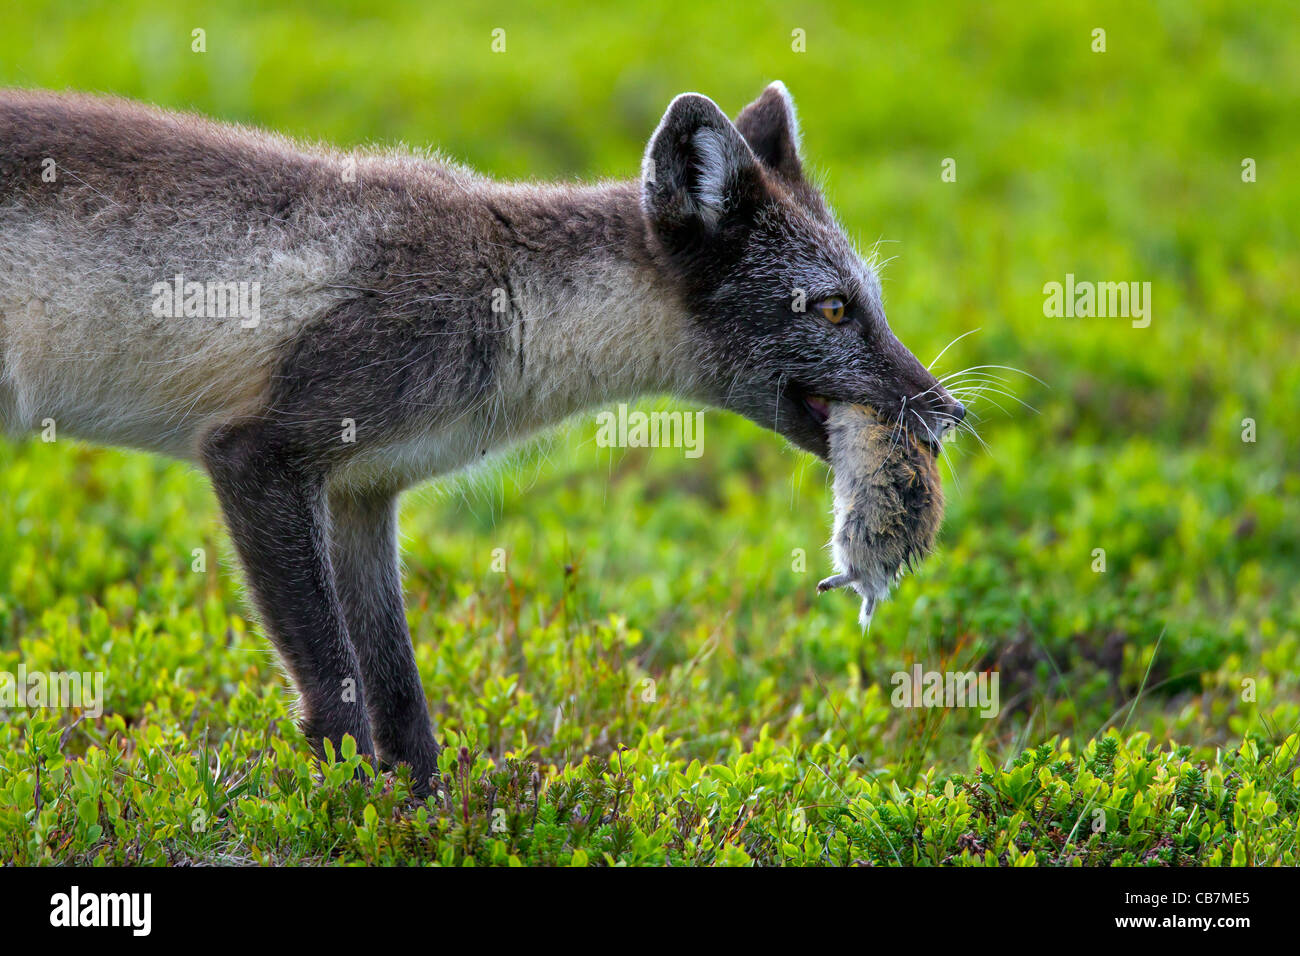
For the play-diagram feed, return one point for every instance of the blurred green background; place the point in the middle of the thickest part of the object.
(1123, 165)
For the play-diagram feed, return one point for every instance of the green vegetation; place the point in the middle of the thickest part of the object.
(654, 679)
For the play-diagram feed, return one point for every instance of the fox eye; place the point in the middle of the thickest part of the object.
(832, 309)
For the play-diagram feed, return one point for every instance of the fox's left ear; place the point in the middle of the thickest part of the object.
(771, 128)
(698, 174)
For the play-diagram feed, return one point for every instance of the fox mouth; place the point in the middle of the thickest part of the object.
(810, 428)
(801, 416)
(817, 407)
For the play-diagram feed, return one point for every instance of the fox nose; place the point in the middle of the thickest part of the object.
(946, 413)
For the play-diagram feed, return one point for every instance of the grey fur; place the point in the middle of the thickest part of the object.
(441, 313)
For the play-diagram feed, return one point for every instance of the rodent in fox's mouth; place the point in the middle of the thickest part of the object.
(819, 410)
(888, 503)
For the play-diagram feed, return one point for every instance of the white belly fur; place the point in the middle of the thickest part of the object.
(82, 346)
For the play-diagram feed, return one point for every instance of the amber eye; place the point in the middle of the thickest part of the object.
(832, 309)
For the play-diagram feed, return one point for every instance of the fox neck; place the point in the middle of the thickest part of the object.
(591, 318)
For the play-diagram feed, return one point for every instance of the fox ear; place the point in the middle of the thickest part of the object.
(771, 128)
(698, 171)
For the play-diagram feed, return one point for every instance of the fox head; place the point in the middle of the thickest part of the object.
(783, 316)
